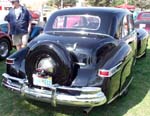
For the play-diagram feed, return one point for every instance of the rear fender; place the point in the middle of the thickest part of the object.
(18, 67)
(120, 56)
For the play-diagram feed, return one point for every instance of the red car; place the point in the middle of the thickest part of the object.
(143, 20)
(5, 45)
(35, 15)
(144, 16)
(6, 42)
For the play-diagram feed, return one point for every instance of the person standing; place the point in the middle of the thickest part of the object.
(19, 24)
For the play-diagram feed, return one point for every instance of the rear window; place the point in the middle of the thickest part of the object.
(85, 22)
(145, 15)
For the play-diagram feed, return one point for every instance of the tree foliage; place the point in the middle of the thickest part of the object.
(64, 3)
(109, 2)
(143, 4)
(99, 2)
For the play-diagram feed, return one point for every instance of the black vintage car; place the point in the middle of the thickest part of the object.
(84, 58)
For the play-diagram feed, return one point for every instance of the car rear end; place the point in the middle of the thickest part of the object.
(143, 25)
(143, 21)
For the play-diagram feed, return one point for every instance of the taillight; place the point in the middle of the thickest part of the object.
(10, 61)
(104, 73)
(109, 72)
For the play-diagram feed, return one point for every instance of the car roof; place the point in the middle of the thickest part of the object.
(111, 16)
(111, 10)
(142, 21)
(144, 15)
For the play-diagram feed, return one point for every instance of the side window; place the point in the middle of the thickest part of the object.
(125, 26)
(59, 22)
(118, 33)
(131, 23)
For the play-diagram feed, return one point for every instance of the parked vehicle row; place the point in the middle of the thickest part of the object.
(143, 20)
(6, 41)
(5, 45)
(81, 59)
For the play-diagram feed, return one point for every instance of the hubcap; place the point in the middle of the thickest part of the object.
(3, 49)
(46, 64)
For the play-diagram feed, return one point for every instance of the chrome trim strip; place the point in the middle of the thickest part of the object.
(141, 55)
(21, 81)
(11, 87)
(81, 64)
(127, 86)
(80, 32)
(113, 70)
(13, 59)
(83, 89)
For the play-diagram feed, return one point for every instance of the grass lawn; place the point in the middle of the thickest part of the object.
(136, 103)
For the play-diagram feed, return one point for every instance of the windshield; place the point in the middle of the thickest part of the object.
(86, 22)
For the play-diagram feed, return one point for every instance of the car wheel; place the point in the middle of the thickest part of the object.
(49, 61)
(4, 48)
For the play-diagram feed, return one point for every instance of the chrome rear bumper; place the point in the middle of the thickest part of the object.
(88, 97)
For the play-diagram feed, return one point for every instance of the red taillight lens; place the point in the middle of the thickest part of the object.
(104, 73)
(9, 61)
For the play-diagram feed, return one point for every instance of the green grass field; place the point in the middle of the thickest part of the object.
(136, 103)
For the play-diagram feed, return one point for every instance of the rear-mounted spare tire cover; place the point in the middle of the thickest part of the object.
(53, 55)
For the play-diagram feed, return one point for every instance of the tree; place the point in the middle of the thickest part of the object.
(99, 2)
(61, 3)
(108, 2)
(117, 2)
(143, 4)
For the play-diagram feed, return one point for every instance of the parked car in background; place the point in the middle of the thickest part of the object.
(5, 45)
(143, 20)
(81, 59)
(6, 41)
(4, 26)
(35, 15)
(142, 42)
(144, 15)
